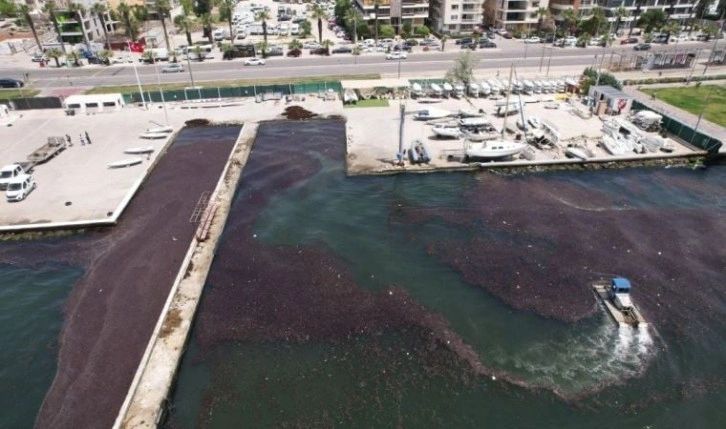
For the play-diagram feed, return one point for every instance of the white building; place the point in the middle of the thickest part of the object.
(395, 12)
(456, 16)
(514, 14)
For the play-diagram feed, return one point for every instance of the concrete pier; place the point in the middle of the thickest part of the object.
(144, 404)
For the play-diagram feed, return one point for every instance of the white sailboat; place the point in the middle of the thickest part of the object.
(431, 113)
(125, 163)
(436, 90)
(493, 149)
(474, 89)
(416, 90)
(484, 89)
(447, 131)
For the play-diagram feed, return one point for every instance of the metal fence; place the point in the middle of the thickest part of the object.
(207, 93)
(683, 131)
(30, 103)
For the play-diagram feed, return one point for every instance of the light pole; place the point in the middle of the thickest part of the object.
(189, 64)
(715, 41)
(161, 91)
(138, 82)
(703, 109)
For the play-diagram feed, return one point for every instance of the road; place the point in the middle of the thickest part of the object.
(418, 63)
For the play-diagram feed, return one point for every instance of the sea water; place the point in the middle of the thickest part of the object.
(592, 373)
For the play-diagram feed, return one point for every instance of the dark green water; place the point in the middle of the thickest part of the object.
(590, 374)
(31, 299)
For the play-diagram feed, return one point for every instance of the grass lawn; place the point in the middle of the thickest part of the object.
(692, 99)
(9, 94)
(373, 102)
(125, 89)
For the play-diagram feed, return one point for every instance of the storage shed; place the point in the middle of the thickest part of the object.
(607, 100)
(94, 103)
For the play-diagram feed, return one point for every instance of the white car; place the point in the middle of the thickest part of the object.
(680, 38)
(570, 41)
(396, 56)
(533, 39)
(254, 62)
(20, 187)
(122, 59)
(311, 45)
(173, 68)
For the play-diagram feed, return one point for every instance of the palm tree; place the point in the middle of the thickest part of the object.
(74, 55)
(352, 17)
(263, 16)
(444, 38)
(226, 9)
(50, 9)
(541, 14)
(669, 28)
(127, 19)
(162, 8)
(619, 14)
(327, 43)
(104, 55)
(25, 11)
(294, 44)
(199, 52)
(228, 50)
(636, 15)
(79, 10)
(99, 9)
(319, 13)
(570, 17)
(186, 24)
(54, 53)
(207, 22)
(376, 5)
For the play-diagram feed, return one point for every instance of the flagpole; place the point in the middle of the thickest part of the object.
(138, 82)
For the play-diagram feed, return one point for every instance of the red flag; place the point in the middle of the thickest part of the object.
(136, 47)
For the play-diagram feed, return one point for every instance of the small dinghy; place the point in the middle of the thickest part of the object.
(419, 153)
(125, 163)
(153, 136)
(576, 152)
(139, 150)
(534, 122)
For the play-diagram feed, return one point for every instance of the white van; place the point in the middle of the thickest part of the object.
(20, 187)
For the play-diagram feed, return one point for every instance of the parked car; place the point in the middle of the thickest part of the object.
(294, 53)
(39, 57)
(548, 38)
(532, 39)
(660, 38)
(471, 46)
(10, 172)
(120, 59)
(702, 37)
(342, 50)
(464, 41)
(274, 51)
(629, 41)
(680, 38)
(402, 47)
(570, 41)
(320, 51)
(20, 187)
(11, 83)
(487, 44)
(311, 45)
(507, 35)
(642, 47)
(173, 68)
(396, 56)
(254, 61)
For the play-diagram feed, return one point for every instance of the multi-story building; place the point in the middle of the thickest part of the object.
(513, 14)
(456, 16)
(395, 12)
(582, 7)
(675, 9)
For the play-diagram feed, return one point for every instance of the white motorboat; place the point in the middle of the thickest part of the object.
(153, 136)
(436, 90)
(470, 113)
(611, 145)
(474, 122)
(504, 109)
(431, 113)
(448, 89)
(552, 105)
(494, 85)
(139, 150)
(547, 87)
(416, 90)
(538, 86)
(651, 143)
(447, 131)
(576, 152)
(484, 89)
(527, 87)
(125, 163)
(534, 122)
(493, 149)
(459, 90)
(162, 130)
(474, 89)
(479, 135)
(560, 86)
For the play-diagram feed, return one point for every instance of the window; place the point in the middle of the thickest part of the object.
(454, 7)
(454, 17)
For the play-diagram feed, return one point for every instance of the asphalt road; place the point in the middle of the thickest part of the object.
(343, 64)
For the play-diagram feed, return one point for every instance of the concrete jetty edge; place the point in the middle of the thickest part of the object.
(145, 403)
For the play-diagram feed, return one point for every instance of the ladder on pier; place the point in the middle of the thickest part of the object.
(201, 206)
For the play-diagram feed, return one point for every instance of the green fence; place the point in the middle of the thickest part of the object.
(206, 93)
(683, 131)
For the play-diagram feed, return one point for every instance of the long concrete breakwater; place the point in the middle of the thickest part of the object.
(145, 403)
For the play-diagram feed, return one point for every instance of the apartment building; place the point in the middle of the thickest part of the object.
(582, 7)
(82, 26)
(395, 12)
(456, 16)
(513, 14)
(675, 9)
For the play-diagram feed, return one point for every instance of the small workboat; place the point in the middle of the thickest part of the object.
(576, 152)
(125, 163)
(615, 295)
(447, 131)
(419, 153)
(470, 113)
(139, 150)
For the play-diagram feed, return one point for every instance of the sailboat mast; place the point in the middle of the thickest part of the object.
(521, 106)
(509, 91)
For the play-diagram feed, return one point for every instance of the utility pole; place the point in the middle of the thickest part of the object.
(715, 41)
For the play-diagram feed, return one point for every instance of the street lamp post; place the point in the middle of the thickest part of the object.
(161, 91)
(703, 110)
(715, 42)
(138, 81)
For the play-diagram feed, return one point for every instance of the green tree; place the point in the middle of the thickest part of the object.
(51, 10)
(226, 10)
(207, 20)
(594, 24)
(387, 31)
(407, 29)
(185, 24)
(263, 16)
(376, 7)
(228, 50)
(541, 14)
(444, 38)
(294, 44)
(670, 28)
(80, 11)
(592, 75)
(619, 14)
(305, 29)
(352, 22)
(571, 18)
(199, 52)
(126, 17)
(202, 8)
(319, 14)
(25, 11)
(104, 55)
(55, 54)
(422, 31)
(652, 19)
(327, 43)
(162, 9)
(463, 70)
(261, 47)
(73, 55)
(100, 10)
(8, 8)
